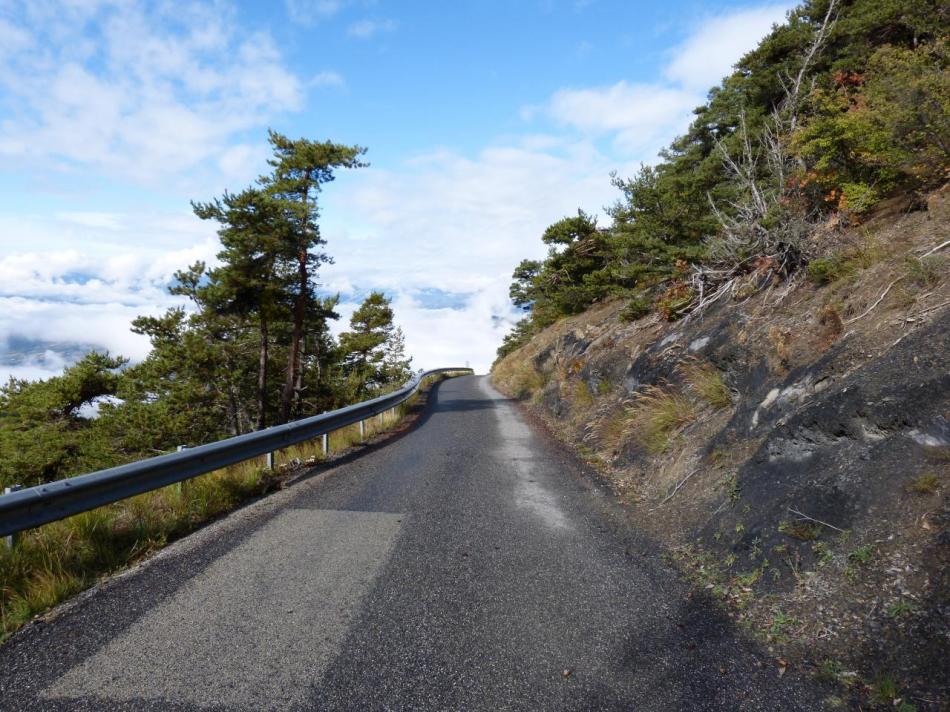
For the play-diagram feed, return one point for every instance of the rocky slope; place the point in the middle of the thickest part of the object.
(791, 445)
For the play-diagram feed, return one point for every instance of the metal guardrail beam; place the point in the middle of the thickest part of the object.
(34, 506)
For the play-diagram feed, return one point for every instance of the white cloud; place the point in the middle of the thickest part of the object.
(328, 78)
(490, 210)
(437, 337)
(468, 334)
(99, 221)
(91, 276)
(153, 236)
(34, 368)
(365, 29)
(448, 222)
(641, 116)
(709, 54)
(307, 12)
(103, 326)
(141, 94)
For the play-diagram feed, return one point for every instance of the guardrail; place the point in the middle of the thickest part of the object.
(34, 506)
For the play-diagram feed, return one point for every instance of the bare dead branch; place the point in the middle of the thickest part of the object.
(936, 249)
(879, 300)
(812, 519)
(679, 486)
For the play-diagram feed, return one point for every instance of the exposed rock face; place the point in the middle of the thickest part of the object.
(816, 503)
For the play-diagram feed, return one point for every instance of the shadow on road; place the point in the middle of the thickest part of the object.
(462, 405)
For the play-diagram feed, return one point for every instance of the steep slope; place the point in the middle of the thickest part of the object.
(790, 443)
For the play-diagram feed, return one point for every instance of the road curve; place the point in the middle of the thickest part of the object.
(468, 565)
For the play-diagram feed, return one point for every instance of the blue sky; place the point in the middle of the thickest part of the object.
(485, 122)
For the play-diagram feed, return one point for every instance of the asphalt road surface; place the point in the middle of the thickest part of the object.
(467, 565)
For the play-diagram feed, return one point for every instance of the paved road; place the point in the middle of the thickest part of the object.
(465, 566)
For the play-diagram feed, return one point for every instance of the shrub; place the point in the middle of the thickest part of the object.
(829, 318)
(862, 555)
(825, 270)
(925, 271)
(858, 198)
(887, 129)
(672, 303)
(636, 308)
(884, 690)
(926, 483)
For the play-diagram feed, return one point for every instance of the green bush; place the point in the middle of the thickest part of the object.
(883, 129)
(636, 308)
(826, 270)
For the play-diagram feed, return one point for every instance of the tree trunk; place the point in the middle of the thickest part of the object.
(233, 415)
(298, 384)
(262, 378)
(288, 397)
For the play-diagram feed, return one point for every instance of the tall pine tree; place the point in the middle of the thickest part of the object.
(300, 168)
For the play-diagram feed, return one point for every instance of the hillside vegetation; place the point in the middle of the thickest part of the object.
(753, 353)
(844, 105)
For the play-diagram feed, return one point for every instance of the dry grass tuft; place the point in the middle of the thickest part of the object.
(580, 395)
(924, 272)
(779, 340)
(520, 379)
(706, 382)
(655, 417)
(927, 483)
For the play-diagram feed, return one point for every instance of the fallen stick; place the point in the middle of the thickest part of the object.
(677, 488)
(930, 309)
(812, 519)
(879, 300)
(936, 249)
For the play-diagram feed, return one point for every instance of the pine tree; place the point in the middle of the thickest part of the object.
(301, 167)
(368, 343)
(252, 280)
(395, 370)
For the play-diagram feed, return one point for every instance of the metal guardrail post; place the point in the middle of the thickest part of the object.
(179, 486)
(325, 441)
(269, 461)
(362, 431)
(11, 540)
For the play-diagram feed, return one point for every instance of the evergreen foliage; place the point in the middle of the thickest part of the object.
(373, 349)
(844, 104)
(253, 347)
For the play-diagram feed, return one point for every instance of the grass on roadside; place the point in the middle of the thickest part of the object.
(53, 562)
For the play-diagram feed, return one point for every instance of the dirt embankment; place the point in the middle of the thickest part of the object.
(792, 446)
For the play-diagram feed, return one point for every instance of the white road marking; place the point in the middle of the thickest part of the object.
(518, 450)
